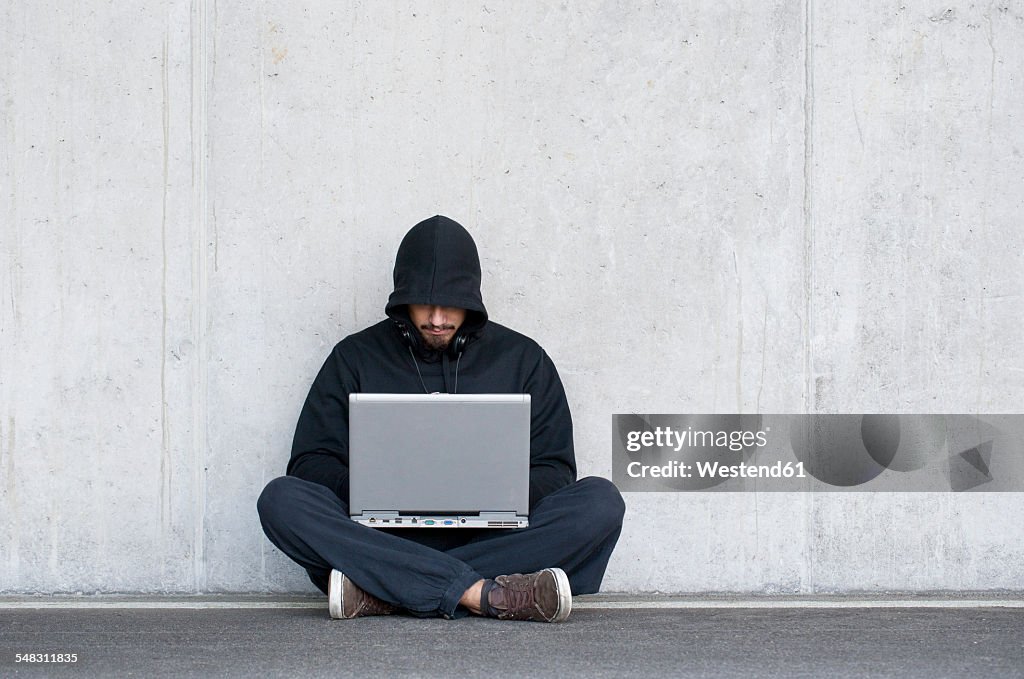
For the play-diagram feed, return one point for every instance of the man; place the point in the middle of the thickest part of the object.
(438, 338)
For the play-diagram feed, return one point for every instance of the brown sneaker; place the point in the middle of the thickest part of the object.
(543, 596)
(345, 600)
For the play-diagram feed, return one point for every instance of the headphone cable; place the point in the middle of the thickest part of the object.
(416, 365)
(456, 390)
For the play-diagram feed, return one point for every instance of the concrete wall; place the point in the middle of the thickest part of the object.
(695, 207)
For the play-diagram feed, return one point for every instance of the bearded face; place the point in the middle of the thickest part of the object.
(437, 324)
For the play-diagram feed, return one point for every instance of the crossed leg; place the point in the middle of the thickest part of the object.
(575, 529)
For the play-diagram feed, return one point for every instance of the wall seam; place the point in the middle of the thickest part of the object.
(165, 430)
(200, 227)
(810, 401)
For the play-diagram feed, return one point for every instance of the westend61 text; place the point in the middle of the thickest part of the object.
(710, 470)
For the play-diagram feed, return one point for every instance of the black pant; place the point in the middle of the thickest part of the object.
(426, 570)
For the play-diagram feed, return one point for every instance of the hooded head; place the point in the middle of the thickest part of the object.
(438, 264)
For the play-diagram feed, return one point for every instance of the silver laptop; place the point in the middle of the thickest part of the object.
(439, 460)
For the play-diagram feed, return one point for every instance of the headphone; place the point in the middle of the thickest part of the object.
(455, 347)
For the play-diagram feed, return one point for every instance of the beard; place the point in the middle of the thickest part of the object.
(437, 342)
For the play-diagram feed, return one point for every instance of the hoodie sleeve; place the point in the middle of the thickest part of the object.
(552, 459)
(320, 447)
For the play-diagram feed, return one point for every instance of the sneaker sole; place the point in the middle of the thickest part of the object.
(564, 594)
(335, 588)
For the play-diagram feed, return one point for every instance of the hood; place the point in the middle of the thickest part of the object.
(438, 263)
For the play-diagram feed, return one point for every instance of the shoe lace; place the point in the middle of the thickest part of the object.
(518, 594)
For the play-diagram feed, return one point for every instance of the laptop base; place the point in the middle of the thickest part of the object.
(482, 520)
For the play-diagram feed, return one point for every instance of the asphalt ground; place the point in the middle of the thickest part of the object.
(138, 638)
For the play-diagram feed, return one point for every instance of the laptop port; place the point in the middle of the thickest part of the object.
(429, 522)
(398, 521)
(449, 522)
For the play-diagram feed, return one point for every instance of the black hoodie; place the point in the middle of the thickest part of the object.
(437, 263)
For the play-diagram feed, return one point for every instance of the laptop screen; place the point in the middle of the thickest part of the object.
(439, 454)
